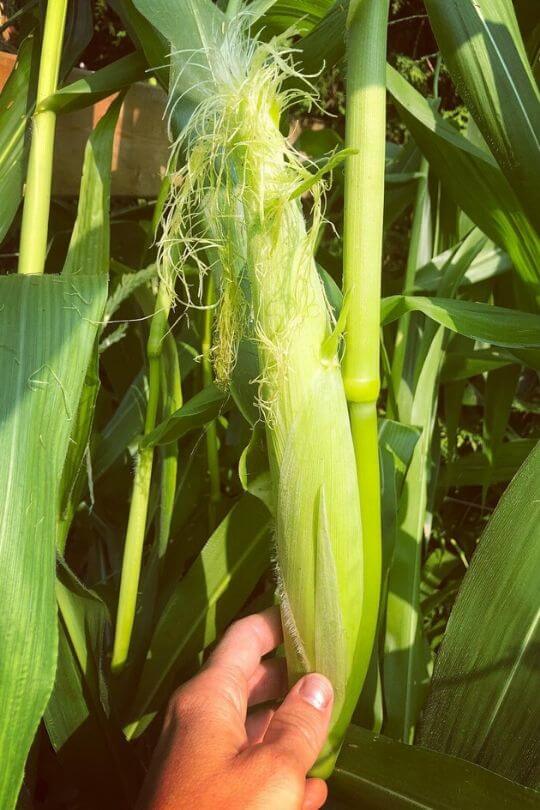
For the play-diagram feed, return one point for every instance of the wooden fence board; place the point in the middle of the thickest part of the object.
(141, 146)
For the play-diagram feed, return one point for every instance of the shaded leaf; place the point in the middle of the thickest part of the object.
(473, 179)
(16, 106)
(203, 603)
(377, 773)
(205, 406)
(483, 50)
(90, 89)
(484, 699)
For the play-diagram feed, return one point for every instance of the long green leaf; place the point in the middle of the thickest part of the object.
(462, 365)
(122, 429)
(490, 262)
(149, 41)
(483, 50)
(96, 86)
(206, 599)
(396, 447)
(473, 179)
(484, 701)
(403, 677)
(16, 105)
(88, 253)
(89, 246)
(499, 395)
(197, 412)
(77, 719)
(48, 326)
(500, 326)
(377, 773)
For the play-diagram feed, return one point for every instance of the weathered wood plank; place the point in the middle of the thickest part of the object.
(140, 149)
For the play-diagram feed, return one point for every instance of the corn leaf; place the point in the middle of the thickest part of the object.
(90, 89)
(376, 772)
(89, 245)
(462, 365)
(190, 34)
(471, 469)
(206, 599)
(123, 427)
(500, 326)
(47, 330)
(88, 253)
(303, 15)
(149, 41)
(16, 105)
(483, 50)
(197, 412)
(396, 446)
(78, 32)
(491, 261)
(77, 717)
(474, 180)
(484, 699)
(325, 44)
(403, 675)
(499, 395)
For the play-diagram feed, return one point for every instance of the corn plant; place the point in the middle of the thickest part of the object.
(233, 395)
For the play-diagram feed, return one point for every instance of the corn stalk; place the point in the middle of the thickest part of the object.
(138, 512)
(362, 257)
(37, 198)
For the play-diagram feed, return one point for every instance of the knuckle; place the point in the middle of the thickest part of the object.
(232, 686)
(184, 704)
(248, 625)
(283, 760)
(299, 729)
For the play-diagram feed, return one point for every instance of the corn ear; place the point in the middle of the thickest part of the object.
(234, 210)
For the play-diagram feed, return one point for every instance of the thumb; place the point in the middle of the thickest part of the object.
(299, 727)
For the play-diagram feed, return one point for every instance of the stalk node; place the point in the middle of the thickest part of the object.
(359, 390)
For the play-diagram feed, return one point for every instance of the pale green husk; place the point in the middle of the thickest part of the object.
(233, 211)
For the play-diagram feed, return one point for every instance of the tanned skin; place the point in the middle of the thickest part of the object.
(215, 755)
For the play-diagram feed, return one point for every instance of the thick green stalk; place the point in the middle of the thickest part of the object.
(211, 429)
(172, 400)
(37, 195)
(363, 228)
(131, 564)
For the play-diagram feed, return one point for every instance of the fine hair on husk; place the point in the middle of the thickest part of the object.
(232, 173)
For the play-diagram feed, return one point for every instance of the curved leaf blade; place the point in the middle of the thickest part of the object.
(382, 774)
(473, 179)
(500, 326)
(47, 330)
(484, 700)
(203, 603)
(96, 86)
(205, 406)
(483, 50)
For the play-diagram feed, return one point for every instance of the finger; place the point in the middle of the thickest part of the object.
(315, 795)
(215, 701)
(268, 682)
(256, 724)
(299, 727)
(247, 641)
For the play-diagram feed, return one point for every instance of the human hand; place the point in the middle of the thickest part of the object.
(212, 755)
